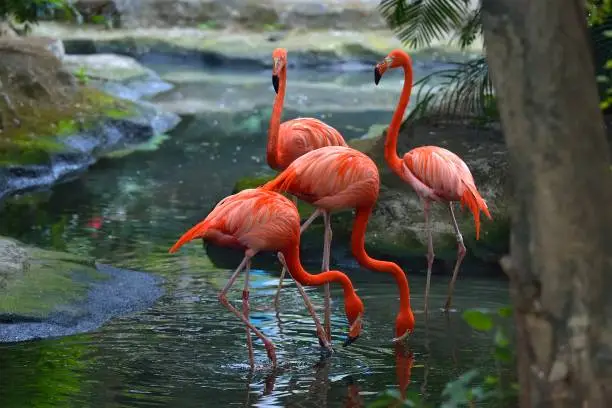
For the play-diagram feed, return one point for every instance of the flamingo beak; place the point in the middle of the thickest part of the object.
(377, 75)
(401, 338)
(349, 340)
(275, 82)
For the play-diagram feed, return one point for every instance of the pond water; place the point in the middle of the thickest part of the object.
(187, 350)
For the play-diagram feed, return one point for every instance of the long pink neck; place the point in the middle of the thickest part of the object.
(292, 257)
(274, 128)
(358, 247)
(391, 156)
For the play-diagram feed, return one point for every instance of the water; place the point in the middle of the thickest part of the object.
(187, 350)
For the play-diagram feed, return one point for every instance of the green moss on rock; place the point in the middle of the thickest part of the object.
(36, 282)
(42, 101)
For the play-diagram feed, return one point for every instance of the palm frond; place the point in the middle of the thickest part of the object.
(470, 28)
(463, 92)
(418, 22)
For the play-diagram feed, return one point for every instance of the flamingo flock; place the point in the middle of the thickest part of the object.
(317, 166)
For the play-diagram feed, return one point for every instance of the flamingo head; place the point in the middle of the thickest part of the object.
(396, 58)
(279, 62)
(353, 307)
(404, 325)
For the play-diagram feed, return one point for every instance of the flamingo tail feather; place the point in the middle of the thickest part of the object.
(473, 200)
(197, 231)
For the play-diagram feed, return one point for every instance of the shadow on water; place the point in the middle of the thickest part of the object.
(187, 350)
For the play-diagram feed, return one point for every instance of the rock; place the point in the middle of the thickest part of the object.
(54, 127)
(109, 67)
(253, 14)
(47, 293)
(344, 49)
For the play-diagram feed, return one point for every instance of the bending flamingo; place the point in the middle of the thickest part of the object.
(256, 220)
(291, 139)
(436, 174)
(337, 177)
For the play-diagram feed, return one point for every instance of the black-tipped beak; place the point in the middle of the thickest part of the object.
(377, 75)
(275, 82)
(349, 340)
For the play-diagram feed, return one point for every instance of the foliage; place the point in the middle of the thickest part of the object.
(30, 11)
(464, 91)
(472, 386)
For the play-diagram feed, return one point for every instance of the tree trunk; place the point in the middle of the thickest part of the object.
(560, 266)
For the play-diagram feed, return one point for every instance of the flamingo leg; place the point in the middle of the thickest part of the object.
(460, 255)
(245, 310)
(325, 267)
(309, 306)
(430, 251)
(306, 224)
(225, 302)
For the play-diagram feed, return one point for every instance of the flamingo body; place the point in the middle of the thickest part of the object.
(299, 136)
(331, 178)
(258, 220)
(440, 175)
(436, 174)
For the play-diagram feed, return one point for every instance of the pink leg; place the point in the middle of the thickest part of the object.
(325, 267)
(460, 256)
(430, 252)
(223, 300)
(245, 310)
(320, 331)
(306, 224)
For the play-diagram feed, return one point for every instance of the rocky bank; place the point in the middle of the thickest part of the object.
(57, 120)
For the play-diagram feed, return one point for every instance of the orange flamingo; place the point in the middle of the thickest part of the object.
(256, 220)
(291, 139)
(338, 177)
(436, 174)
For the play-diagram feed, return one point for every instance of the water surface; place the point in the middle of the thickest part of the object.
(187, 350)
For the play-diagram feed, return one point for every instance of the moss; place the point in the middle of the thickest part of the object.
(49, 281)
(36, 136)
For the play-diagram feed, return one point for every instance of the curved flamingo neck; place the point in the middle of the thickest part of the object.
(358, 247)
(272, 151)
(391, 156)
(292, 257)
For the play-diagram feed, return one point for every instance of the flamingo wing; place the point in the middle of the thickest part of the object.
(331, 177)
(301, 135)
(253, 218)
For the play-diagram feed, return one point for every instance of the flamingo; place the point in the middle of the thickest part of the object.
(291, 139)
(257, 220)
(435, 174)
(338, 177)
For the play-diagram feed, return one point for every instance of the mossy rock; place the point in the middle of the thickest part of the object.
(43, 102)
(35, 283)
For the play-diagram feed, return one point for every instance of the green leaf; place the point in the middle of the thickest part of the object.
(491, 380)
(504, 311)
(607, 33)
(503, 354)
(419, 22)
(602, 78)
(478, 320)
(501, 339)
(608, 64)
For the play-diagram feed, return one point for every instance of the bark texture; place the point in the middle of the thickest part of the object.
(560, 265)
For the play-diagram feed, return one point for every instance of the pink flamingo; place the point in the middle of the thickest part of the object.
(436, 174)
(256, 220)
(291, 139)
(338, 177)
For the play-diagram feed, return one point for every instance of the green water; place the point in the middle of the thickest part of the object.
(187, 350)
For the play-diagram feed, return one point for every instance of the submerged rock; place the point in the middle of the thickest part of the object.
(47, 293)
(53, 126)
